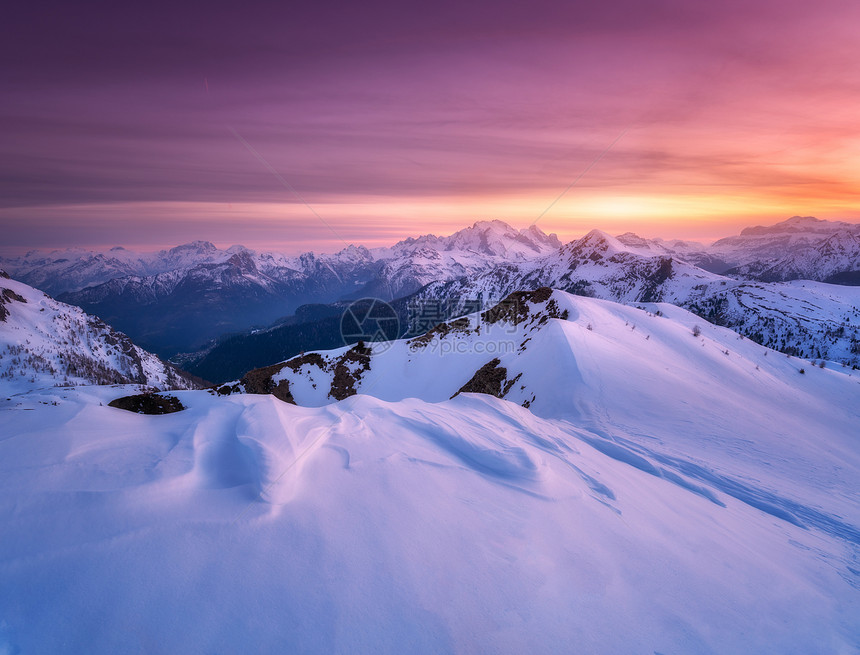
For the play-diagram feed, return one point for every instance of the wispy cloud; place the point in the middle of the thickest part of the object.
(392, 108)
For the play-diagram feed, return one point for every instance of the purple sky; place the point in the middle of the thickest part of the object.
(397, 118)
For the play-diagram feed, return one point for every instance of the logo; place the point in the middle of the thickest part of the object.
(369, 320)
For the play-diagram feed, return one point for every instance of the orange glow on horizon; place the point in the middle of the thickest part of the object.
(293, 228)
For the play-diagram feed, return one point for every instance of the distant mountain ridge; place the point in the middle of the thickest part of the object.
(803, 318)
(801, 247)
(834, 259)
(180, 299)
(73, 269)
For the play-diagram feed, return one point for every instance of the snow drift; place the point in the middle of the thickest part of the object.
(664, 492)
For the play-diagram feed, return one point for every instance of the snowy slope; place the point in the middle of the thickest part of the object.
(807, 319)
(659, 496)
(44, 342)
(633, 375)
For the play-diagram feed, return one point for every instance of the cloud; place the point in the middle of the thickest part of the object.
(358, 103)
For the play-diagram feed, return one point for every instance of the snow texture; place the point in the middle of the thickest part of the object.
(666, 492)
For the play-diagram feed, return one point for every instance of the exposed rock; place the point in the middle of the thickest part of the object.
(7, 296)
(490, 379)
(259, 381)
(226, 389)
(345, 378)
(148, 403)
(515, 308)
(310, 359)
(440, 330)
(652, 290)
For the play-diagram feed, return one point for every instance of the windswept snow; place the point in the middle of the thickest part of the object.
(650, 392)
(368, 526)
(666, 492)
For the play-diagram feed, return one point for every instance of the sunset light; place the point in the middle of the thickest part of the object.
(687, 120)
(449, 327)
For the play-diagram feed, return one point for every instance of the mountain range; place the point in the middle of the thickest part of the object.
(179, 300)
(176, 300)
(803, 318)
(802, 247)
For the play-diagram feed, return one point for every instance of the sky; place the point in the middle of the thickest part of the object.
(297, 126)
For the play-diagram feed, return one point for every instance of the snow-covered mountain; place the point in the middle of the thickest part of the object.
(800, 248)
(806, 319)
(835, 258)
(596, 265)
(668, 490)
(511, 333)
(493, 238)
(178, 299)
(776, 241)
(413, 263)
(691, 252)
(182, 309)
(71, 269)
(44, 342)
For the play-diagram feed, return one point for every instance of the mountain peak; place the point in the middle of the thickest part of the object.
(195, 246)
(494, 225)
(798, 224)
(633, 240)
(243, 261)
(802, 220)
(600, 239)
(353, 251)
(487, 237)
